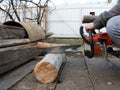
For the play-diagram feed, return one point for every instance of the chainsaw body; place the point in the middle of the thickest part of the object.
(99, 37)
(95, 43)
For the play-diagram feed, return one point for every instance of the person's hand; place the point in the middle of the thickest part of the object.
(89, 26)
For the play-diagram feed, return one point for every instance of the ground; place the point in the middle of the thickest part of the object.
(79, 73)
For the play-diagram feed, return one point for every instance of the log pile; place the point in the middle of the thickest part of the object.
(16, 47)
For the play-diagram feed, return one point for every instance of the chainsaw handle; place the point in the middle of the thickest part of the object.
(91, 43)
(82, 35)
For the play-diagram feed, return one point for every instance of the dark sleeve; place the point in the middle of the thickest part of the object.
(101, 21)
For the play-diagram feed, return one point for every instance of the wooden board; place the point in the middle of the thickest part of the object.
(9, 79)
(105, 75)
(30, 83)
(13, 42)
(75, 76)
(11, 57)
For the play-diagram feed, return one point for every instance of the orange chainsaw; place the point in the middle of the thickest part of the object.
(97, 44)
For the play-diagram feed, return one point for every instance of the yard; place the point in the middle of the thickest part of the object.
(77, 73)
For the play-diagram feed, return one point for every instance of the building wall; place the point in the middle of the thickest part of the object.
(66, 20)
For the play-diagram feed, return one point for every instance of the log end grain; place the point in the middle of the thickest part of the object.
(42, 45)
(45, 72)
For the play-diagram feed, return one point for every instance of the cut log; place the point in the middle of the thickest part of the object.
(88, 18)
(44, 45)
(10, 57)
(47, 69)
(12, 32)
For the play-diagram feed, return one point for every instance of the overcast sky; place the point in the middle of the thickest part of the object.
(57, 2)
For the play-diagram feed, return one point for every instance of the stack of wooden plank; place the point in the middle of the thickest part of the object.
(15, 47)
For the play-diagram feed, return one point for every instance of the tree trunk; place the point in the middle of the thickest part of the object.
(47, 69)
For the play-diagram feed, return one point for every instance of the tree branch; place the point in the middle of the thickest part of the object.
(7, 12)
(15, 11)
(1, 1)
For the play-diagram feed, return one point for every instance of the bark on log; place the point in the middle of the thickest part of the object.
(10, 57)
(33, 31)
(12, 32)
(43, 45)
(47, 69)
(88, 18)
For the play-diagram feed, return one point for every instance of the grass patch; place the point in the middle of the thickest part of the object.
(66, 41)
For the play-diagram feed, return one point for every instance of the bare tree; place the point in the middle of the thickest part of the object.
(6, 9)
(9, 7)
(13, 2)
(40, 6)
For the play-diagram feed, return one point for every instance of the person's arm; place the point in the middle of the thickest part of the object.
(101, 21)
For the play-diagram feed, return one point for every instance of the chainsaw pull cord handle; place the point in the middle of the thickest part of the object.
(91, 43)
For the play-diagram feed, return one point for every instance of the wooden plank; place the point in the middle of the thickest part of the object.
(13, 42)
(11, 57)
(30, 83)
(75, 76)
(105, 75)
(115, 61)
(9, 79)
